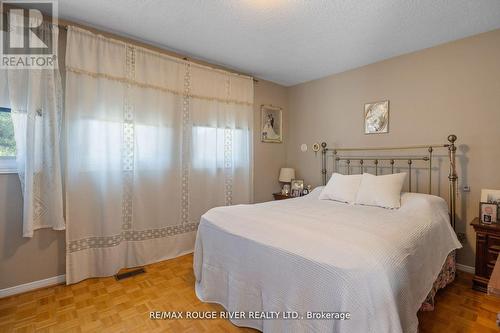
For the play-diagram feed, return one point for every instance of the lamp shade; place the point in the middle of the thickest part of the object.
(286, 175)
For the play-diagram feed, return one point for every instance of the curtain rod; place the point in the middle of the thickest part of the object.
(65, 27)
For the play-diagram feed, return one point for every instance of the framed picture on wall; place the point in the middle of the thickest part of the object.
(376, 117)
(271, 128)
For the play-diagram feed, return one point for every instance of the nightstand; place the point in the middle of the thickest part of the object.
(487, 249)
(279, 196)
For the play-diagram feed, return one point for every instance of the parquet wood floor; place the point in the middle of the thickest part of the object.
(106, 305)
(459, 309)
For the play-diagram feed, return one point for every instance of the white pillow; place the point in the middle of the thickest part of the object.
(341, 188)
(382, 191)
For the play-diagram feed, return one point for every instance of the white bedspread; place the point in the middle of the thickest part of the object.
(307, 254)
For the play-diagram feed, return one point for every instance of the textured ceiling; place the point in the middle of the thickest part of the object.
(289, 41)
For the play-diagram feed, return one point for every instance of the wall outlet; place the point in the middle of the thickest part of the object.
(466, 188)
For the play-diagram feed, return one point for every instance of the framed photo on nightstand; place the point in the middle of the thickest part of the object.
(488, 212)
(297, 185)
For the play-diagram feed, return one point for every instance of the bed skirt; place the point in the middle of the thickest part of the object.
(445, 277)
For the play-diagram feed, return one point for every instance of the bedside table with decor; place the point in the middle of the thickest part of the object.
(487, 249)
(292, 188)
(281, 196)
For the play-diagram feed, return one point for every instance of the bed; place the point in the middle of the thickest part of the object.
(307, 258)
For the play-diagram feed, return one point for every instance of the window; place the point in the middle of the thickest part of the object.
(210, 144)
(100, 145)
(7, 143)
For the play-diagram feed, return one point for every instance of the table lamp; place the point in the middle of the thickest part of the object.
(286, 176)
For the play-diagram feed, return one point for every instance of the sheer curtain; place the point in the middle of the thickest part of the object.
(35, 99)
(152, 143)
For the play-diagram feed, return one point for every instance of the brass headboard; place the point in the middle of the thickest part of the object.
(361, 165)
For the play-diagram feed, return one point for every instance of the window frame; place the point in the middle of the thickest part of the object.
(7, 163)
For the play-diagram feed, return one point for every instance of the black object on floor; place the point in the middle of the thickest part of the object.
(121, 276)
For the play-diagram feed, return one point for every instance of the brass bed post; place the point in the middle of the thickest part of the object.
(335, 162)
(409, 175)
(323, 162)
(430, 169)
(452, 177)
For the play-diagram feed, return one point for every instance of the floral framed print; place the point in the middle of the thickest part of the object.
(376, 117)
(271, 128)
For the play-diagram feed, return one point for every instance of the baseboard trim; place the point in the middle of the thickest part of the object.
(62, 278)
(22, 288)
(466, 269)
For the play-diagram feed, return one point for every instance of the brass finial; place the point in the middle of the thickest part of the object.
(452, 138)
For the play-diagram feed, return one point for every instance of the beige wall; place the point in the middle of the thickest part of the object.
(24, 260)
(452, 88)
(268, 157)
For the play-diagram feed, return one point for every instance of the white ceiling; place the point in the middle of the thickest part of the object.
(289, 41)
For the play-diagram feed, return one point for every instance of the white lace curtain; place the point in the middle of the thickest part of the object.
(35, 99)
(153, 142)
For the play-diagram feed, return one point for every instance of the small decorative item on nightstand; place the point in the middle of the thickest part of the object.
(307, 190)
